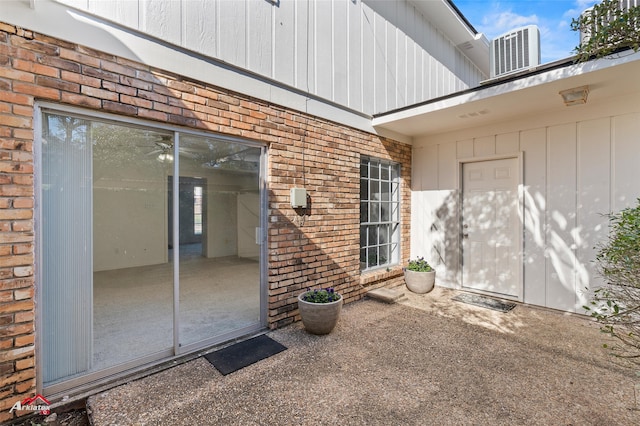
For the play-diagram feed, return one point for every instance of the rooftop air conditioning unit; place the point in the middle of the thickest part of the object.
(515, 51)
(602, 21)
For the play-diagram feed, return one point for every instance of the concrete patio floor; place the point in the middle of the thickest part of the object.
(427, 360)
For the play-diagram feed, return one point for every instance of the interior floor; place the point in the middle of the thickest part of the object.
(133, 307)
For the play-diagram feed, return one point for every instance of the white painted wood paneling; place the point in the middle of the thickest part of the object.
(381, 67)
(354, 58)
(561, 216)
(200, 17)
(425, 175)
(626, 164)
(507, 143)
(162, 19)
(434, 213)
(369, 51)
(464, 149)
(304, 51)
(484, 146)
(594, 172)
(447, 166)
(285, 43)
(534, 145)
(125, 13)
(260, 27)
(371, 57)
(323, 39)
(340, 48)
(572, 173)
(232, 32)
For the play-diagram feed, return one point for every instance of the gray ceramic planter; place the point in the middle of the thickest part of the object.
(419, 282)
(319, 318)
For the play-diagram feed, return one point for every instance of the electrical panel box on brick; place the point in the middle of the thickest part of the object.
(298, 198)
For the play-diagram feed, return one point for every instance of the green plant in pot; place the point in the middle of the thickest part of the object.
(320, 310)
(419, 276)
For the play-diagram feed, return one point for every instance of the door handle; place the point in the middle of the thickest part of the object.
(465, 235)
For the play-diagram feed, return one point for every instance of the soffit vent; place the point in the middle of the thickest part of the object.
(515, 51)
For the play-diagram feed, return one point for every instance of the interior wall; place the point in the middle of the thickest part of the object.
(222, 224)
(248, 223)
(574, 172)
(134, 236)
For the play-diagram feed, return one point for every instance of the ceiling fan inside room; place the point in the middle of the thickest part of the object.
(163, 150)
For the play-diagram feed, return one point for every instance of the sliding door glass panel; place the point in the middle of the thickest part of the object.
(219, 214)
(132, 272)
(107, 280)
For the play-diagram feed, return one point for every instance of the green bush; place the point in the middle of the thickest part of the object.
(321, 296)
(616, 305)
(609, 28)
(419, 265)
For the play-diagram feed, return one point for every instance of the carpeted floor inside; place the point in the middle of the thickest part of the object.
(133, 307)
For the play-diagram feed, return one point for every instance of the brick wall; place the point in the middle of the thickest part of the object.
(315, 247)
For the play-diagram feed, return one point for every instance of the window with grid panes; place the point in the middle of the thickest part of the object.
(379, 213)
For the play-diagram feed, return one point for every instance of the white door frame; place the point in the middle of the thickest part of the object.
(520, 238)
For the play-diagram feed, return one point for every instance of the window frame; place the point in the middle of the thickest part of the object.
(380, 213)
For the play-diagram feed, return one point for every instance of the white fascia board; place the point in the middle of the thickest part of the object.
(60, 21)
(509, 86)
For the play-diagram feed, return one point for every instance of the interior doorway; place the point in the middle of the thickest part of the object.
(491, 230)
(192, 214)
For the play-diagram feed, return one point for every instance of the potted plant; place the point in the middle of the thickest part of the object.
(320, 310)
(419, 276)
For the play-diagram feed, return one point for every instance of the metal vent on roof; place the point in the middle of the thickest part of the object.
(515, 51)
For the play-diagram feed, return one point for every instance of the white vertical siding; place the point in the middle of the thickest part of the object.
(340, 49)
(594, 173)
(160, 19)
(561, 216)
(573, 173)
(534, 145)
(286, 39)
(355, 56)
(371, 56)
(626, 164)
(202, 36)
(232, 32)
(259, 35)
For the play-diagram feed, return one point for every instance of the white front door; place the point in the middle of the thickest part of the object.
(491, 229)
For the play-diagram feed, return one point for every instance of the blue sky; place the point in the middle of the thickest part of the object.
(553, 18)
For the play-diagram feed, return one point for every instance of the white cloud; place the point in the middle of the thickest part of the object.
(495, 24)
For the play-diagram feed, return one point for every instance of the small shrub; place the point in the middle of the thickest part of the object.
(321, 296)
(616, 305)
(419, 265)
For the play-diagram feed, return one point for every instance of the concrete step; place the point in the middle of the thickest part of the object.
(387, 295)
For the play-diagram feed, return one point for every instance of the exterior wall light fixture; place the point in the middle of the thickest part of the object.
(575, 96)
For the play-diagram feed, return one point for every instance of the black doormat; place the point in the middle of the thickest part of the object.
(485, 302)
(242, 354)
